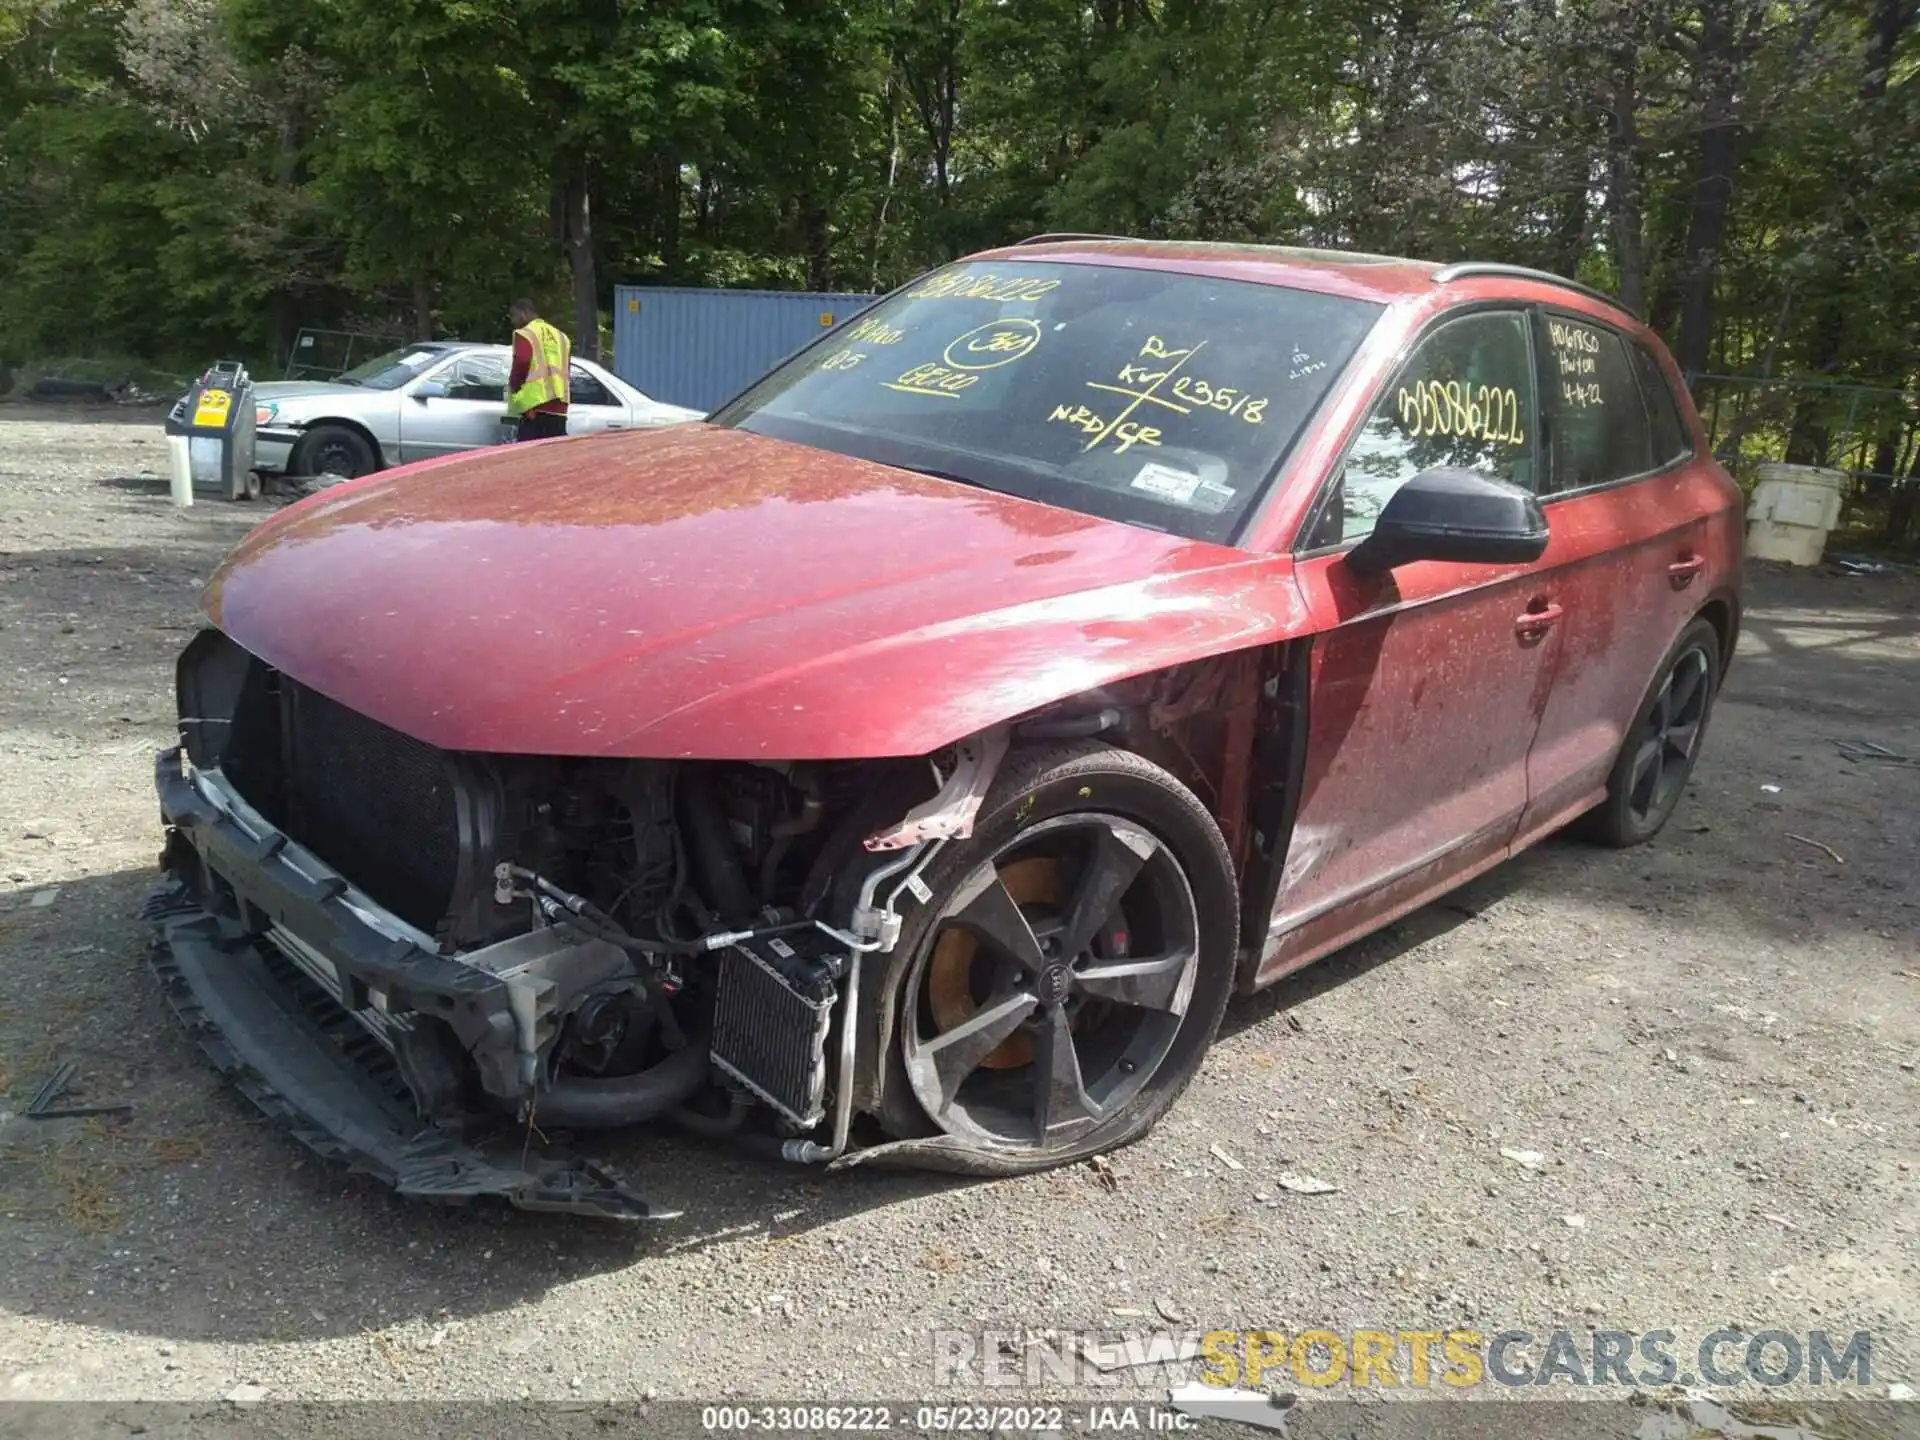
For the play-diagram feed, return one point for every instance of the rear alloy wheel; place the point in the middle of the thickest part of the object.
(1071, 966)
(334, 450)
(1656, 760)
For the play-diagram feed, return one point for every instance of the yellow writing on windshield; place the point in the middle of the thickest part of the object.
(843, 360)
(1157, 376)
(1124, 433)
(1457, 411)
(939, 381)
(873, 332)
(987, 347)
(1224, 398)
(1152, 378)
(983, 287)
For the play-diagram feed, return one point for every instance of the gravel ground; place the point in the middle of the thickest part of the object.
(1709, 1042)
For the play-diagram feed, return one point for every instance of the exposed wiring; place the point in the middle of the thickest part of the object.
(558, 904)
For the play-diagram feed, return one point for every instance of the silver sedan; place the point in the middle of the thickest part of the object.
(424, 400)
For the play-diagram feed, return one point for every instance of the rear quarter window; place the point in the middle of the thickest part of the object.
(1596, 420)
(1665, 428)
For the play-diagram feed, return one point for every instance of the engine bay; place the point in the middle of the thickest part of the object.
(655, 938)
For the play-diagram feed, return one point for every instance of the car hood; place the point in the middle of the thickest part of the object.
(285, 390)
(701, 592)
(300, 399)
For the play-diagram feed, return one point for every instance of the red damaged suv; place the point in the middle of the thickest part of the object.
(907, 762)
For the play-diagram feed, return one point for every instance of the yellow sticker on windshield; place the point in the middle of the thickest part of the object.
(212, 410)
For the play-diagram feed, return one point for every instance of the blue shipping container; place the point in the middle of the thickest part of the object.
(703, 347)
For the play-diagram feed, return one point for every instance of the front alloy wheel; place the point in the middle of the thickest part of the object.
(1070, 968)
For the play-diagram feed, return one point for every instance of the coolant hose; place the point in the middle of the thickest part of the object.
(716, 862)
(602, 1104)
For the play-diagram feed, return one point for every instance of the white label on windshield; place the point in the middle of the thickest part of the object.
(1213, 497)
(418, 357)
(1163, 482)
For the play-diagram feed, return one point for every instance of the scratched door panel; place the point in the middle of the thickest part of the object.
(1423, 704)
(1427, 683)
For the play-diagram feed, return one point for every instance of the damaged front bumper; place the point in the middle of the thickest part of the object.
(240, 895)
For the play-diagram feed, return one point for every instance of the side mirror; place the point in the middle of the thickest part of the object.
(1454, 515)
(429, 390)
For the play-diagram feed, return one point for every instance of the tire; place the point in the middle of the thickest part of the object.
(1133, 1039)
(333, 450)
(1651, 772)
(251, 487)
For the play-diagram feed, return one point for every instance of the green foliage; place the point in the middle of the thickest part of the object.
(180, 178)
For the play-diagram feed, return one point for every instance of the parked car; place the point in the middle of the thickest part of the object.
(906, 764)
(422, 401)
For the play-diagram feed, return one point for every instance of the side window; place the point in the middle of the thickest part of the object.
(1465, 399)
(1595, 415)
(585, 390)
(1668, 430)
(476, 377)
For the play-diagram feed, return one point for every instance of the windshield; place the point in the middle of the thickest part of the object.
(391, 370)
(1155, 398)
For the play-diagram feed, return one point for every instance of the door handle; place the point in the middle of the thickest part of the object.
(1682, 571)
(1538, 620)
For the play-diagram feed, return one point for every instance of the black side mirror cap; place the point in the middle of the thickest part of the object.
(1454, 515)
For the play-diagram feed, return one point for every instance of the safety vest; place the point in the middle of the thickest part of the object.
(547, 373)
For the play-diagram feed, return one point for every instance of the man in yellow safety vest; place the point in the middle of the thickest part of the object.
(537, 389)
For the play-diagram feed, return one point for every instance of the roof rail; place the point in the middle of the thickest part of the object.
(1052, 236)
(1467, 269)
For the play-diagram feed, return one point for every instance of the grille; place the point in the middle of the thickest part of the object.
(770, 1028)
(376, 805)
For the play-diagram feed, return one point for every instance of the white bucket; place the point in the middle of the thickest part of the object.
(1794, 509)
(180, 470)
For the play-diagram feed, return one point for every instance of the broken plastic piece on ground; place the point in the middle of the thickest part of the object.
(1865, 750)
(41, 1107)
